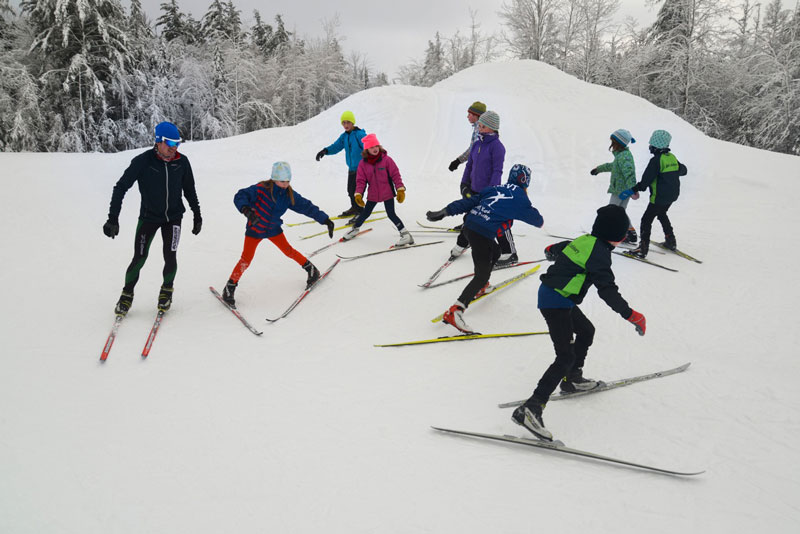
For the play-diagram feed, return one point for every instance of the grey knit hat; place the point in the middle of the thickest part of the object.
(491, 120)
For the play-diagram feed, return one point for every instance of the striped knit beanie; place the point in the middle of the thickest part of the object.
(478, 108)
(491, 120)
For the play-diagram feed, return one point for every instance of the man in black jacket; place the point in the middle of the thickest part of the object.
(164, 177)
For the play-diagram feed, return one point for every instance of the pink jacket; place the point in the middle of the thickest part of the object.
(377, 176)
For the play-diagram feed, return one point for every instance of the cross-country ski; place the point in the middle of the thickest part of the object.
(676, 251)
(459, 337)
(556, 446)
(235, 312)
(304, 293)
(605, 386)
(393, 248)
(337, 218)
(340, 240)
(153, 331)
(470, 275)
(111, 337)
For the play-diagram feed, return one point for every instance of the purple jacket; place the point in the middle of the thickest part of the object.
(485, 164)
(383, 177)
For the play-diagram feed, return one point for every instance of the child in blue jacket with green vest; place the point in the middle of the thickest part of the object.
(662, 177)
(579, 264)
(350, 142)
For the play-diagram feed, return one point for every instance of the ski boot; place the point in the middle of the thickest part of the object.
(576, 382)
(530, 416)
(124, 303)
(227, 294)
(454, 316)
(641, 251)
(164, 298)
(507, 259)
(482, 291)
(352, 233)
(670, 242)
(457, 251)
(313, 273)
(631, 238)
(405, 239)
(349, 212)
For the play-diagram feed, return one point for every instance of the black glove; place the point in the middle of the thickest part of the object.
(111, 227)
(437, 215)
(251, 214)
(198, 224)
(329, 223)
(454, 165)
(466, 190)
(323, 152)
(593, 172)
(550, 255)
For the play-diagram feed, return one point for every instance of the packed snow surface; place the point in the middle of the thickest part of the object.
(310, 428)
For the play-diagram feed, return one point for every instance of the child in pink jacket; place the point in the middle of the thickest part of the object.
(378, 171)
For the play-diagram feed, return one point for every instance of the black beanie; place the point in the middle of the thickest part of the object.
(611, 224)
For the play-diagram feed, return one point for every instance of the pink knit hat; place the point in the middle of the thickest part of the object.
(370, 141)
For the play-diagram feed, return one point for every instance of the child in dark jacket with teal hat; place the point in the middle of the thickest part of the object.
(662, 177)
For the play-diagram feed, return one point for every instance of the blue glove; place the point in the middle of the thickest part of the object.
(625, 194)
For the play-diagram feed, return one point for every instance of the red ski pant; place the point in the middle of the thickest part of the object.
(249, 251)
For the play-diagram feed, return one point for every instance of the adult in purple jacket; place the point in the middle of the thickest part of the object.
(485, 169)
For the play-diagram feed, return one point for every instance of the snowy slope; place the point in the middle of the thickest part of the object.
(311, 429)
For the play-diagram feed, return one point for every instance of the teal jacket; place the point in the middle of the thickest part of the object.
(352, 145)
(623, 171)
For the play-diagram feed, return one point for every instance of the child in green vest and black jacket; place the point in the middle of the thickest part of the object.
(579, 264)
(662, 176)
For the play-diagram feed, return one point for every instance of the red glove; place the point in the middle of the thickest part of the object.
(638, 321)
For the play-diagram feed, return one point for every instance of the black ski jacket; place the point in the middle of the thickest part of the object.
(581, 263)
(162, 185)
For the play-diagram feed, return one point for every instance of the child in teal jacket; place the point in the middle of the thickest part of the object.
(623, 173)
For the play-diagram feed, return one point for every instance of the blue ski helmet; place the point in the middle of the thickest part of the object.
(167, 131)
(520, 175)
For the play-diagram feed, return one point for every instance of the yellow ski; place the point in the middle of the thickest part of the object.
(461, 337)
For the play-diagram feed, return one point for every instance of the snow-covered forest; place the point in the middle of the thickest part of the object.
(90, 75)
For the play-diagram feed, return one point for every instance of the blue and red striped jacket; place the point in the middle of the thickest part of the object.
(271, 206)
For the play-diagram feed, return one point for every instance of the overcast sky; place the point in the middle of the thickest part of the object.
(390, 33)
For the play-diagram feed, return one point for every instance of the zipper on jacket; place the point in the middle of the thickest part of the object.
(166, 187)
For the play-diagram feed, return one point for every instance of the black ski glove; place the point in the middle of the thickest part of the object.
(251, 214)
(198, 224)
(454, 165)
(321, 153)
(329, 223)
(594, 172)
(466, 190)
(111, 227)
(550, 255)
(437, 215)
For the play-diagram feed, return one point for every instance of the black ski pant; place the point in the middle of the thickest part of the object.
(571, 352)
(145, 232)
(655, 211)
(351, 191)
(367, 211)
(505, 240)
(484, 255)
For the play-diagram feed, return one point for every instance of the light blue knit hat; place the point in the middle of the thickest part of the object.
(281, 172)
(660, 139)
(623, 137)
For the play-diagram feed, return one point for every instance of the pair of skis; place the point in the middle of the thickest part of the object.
(558, 446)
(294, 304)
(151, 337)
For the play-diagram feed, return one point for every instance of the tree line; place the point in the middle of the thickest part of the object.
(88, 75)
(729, 67)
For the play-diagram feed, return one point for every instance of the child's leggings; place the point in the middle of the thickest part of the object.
(250, 245)
(367, 211)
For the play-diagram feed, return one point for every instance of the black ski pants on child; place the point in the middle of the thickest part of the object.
(570, 353)
(655, 211)
(367, 211)
(485, 252)
(145, 232)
